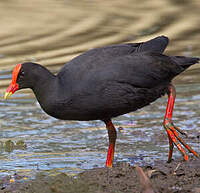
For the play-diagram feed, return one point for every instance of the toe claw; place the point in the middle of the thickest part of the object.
(186, 157)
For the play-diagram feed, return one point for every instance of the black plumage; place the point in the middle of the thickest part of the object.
(105, 82)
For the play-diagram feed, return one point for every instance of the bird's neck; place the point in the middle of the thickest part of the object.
(45, 86)
(50, 91)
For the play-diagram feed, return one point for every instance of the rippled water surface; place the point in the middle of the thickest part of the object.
(52, 32)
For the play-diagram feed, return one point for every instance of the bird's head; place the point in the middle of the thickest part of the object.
(22, 77)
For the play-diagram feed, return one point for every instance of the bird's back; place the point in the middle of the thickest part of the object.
(105, 55)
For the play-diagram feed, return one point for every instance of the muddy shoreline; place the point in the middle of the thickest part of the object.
(175, 177)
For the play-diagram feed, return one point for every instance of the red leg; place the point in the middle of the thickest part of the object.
(171, 147)
(112, 134)
(171, 128)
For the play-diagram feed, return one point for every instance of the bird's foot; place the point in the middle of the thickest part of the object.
(174, 138)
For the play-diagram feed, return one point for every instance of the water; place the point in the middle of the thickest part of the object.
(51, 33)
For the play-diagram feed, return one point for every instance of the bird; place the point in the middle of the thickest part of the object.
(107, 82)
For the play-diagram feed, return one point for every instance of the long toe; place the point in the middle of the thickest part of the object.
(175, 139)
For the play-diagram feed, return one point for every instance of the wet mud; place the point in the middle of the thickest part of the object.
(175, 177)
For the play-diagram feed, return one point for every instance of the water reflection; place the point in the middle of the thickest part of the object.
(60, 30)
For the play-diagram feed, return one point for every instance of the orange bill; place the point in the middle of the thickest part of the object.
(13, 86)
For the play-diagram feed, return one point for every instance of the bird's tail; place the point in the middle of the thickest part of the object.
(185, 62)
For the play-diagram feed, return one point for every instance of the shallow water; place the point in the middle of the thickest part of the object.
(51, 33)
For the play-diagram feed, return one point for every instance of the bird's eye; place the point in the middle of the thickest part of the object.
(21, 75)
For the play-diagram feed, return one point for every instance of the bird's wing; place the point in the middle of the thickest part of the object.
(141, 70)
(157, 45)
(99, 56)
